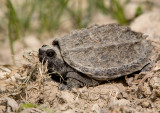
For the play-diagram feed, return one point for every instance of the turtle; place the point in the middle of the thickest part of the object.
(99, 53)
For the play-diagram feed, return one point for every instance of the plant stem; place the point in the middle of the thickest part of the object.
(10, 32)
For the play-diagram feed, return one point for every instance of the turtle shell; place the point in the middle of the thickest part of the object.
(105, 52)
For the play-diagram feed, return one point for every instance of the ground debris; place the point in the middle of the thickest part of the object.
(10, 104)
(31, 84)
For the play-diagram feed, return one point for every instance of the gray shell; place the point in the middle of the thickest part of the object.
(105, 52)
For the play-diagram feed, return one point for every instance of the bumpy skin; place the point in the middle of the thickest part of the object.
(58, 67)
(98, 53)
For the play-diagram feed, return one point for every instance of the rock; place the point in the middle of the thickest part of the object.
(2, 109)
(155, 85)
(125, 95)
(68, 97)
(64, 107)
(148, 23)
(119, 109)
(145, 104)
(154, 82)
(96, 108)
(69, 111)
(12, 105)
(119, 96)
(122, 102)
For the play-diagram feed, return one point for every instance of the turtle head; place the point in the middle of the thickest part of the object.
(51, 55)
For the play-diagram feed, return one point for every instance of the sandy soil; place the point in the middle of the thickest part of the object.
(28, 82)
(138, 93)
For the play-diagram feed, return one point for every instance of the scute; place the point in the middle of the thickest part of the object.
(105, 52)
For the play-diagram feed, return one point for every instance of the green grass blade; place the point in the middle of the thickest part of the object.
(117, 12)
(139, 11)
(13, 27)
(31, 105)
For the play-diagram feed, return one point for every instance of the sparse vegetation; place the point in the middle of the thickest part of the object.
(31, 105)
(39, 16)
(20, 18)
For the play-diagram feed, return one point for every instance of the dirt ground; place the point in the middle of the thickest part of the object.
(27, 89)
(138, 93)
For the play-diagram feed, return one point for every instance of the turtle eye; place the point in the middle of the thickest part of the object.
(50, 53)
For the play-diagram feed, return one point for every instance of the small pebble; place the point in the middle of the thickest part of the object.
(145, 104)
(125, 95)
(96, 108)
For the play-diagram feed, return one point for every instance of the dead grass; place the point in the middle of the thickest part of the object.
(31, 88)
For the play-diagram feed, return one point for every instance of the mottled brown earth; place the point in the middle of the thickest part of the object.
(127, 94)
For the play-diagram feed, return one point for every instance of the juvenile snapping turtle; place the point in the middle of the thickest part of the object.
(98, 53)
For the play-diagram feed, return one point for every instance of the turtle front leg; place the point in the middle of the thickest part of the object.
(77, 80)
(72, 81)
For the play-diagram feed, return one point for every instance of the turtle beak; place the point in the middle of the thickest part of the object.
(41, 56)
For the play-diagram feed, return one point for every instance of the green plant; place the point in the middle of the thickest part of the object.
(50, 12)
(31, 105)
(116, 10)
(139, 11)
(100, 5)
(26, 12)
(19, 19)
(80, 17)
(13, 27)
